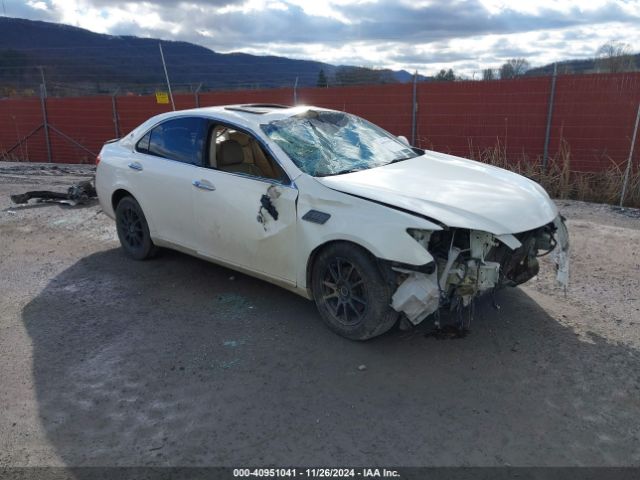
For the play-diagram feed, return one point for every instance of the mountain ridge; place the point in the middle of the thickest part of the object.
(76, 59)
(572, 66)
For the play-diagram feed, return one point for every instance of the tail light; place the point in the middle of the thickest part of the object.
(98, 159)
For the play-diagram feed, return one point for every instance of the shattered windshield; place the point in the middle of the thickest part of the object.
(331, 143)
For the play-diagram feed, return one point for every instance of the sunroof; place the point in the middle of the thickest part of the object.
(257, 108)
(266, 105)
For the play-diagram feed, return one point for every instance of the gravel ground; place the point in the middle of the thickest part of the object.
(175, 361)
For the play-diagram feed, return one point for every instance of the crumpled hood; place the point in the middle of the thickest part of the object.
(455, 191)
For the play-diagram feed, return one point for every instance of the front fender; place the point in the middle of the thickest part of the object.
(380, 229)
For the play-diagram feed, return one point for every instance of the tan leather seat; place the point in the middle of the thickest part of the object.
(253, 154)
(243, 141)
(262, 162)
(230, 158)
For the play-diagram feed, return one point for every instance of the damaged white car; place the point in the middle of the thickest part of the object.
(330, 206)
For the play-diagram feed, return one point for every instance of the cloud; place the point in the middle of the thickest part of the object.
(34, 10)
(427, 35)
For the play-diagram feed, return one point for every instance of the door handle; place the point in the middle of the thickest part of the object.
(135, 166)
(202, 185)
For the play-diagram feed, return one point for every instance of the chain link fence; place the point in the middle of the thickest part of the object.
(567, 123)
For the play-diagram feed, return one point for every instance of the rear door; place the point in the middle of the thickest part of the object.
(163, 167)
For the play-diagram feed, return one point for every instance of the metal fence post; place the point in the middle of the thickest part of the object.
(45, 120)
(552, 94)
(197, 95)
(628, 169)
(414, 109)
(114, 107)
(295, 92)
(44, 82)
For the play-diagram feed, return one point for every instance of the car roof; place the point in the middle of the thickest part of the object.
(248, 114)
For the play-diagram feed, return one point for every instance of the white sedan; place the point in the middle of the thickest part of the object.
(331, 207)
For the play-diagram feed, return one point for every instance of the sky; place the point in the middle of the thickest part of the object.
(422, 35)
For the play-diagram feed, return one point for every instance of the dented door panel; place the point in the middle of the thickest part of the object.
(234, 226)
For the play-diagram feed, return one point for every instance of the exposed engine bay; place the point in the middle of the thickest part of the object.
(469, 263)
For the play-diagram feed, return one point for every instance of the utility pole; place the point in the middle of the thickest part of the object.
(164, 65)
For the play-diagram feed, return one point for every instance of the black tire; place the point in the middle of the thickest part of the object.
(133, 230)
(351, 293)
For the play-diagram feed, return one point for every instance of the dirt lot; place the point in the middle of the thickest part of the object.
(175, 361)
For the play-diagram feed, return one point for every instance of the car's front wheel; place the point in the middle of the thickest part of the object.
(133, 230)
(351, 293)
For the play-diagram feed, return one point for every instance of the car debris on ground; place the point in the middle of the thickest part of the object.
(92, 349)
(80, 193)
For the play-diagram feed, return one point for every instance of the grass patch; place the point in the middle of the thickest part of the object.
(563, 182)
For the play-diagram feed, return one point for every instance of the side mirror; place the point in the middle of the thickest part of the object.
(404, 140)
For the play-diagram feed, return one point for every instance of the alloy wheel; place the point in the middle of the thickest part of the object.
(344, 291)
(130, 225)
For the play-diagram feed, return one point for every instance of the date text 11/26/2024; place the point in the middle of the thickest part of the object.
(315, 473)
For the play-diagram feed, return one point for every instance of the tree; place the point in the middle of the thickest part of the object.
(615, 57)
(362, 76)
(14, 65)
(513, 68)
(489, 74)
(445, 75)
(322, 79)
(565, 68)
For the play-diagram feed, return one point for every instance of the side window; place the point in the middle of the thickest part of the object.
(181, 139)
(233, 151)
(143, 143)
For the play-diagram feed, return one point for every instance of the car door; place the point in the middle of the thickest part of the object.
(163, 165)
(234, 226)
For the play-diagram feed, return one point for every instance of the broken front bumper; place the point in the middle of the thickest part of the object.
(467, 273)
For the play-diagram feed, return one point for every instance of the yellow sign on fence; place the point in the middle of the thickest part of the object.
(162, 97)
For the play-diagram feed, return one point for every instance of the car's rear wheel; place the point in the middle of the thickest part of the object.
(351, 293)
(133, 230)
